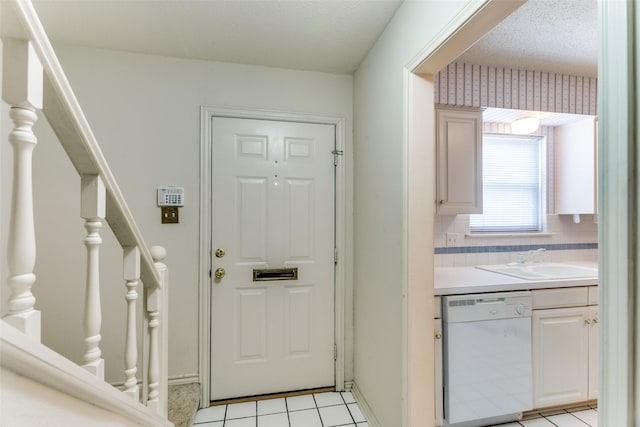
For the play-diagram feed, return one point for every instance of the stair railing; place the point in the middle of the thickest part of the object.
(33, 80)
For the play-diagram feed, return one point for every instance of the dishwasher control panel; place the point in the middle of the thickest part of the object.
(496, 305)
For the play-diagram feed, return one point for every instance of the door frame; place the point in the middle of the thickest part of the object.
(419, 181)
(342, 267)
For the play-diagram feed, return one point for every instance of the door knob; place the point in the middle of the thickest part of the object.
(219, 273)
(219, 253)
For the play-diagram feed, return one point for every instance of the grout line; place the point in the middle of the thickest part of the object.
(286, 407)
(318, 409)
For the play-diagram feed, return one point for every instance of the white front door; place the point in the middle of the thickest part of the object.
(272, 208)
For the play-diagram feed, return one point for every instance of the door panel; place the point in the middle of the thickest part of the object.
(272, 207)
(251, 323)
(560, 356)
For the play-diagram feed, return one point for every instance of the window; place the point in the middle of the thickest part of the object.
(513, 185)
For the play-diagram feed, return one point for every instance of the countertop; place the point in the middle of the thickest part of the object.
(471, 280)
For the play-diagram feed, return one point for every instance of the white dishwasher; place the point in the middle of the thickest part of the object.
(487, 358)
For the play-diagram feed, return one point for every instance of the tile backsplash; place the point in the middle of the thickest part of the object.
(564, 240)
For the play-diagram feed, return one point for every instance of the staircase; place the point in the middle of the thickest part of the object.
(39, 386)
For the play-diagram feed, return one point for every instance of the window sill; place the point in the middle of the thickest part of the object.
(507, 235)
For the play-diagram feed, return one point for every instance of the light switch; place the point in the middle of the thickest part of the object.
(169, 214)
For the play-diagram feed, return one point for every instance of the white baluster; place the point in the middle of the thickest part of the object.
(131, 270)
(158, 342)
(93, 203)
(153, 311)
(22, 90)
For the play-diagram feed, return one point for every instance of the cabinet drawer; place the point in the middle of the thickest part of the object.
(437, 308)
(562, 297)
(593, 295)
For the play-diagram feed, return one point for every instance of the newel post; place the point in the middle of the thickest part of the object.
(157, 303)
(92, 209)
(22, 90)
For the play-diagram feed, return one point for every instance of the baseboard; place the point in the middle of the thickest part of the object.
(364, 406)
(184, 379)
(177, 380)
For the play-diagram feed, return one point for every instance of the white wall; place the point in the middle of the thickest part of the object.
(378, 204)
(145, 112)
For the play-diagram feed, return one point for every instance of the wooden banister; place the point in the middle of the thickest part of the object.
(32, 79)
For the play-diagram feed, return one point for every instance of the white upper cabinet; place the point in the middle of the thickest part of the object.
(576, 170)
(459, 165)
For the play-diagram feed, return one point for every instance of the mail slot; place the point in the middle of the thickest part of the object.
(267, 274)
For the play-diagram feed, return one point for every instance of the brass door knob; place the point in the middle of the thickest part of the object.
(219, 253)
(219, 273)
(438, 335)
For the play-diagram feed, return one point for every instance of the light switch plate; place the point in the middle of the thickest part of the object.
(169, 215)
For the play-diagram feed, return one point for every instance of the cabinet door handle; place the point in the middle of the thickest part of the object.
(587, 321)
(595, 320)
(438, 335)
(442, 202)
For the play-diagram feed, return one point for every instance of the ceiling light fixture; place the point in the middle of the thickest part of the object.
(525, 125)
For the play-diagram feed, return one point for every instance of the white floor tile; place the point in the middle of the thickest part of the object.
(211, 424)
(538, 422)
(271, 406)
(241, 422)
(328, 399)
(212, 413)
(363, 424)
(273, 420)
(241, 410)
(335, 415)
(566, 420)
(356, 413)
(509, 425)
(348, 397)
(590, 416)
(305, 418)
(297, 403)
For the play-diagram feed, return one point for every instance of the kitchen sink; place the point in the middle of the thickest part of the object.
(542, 271)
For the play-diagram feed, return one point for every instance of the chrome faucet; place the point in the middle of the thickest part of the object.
(536, 255)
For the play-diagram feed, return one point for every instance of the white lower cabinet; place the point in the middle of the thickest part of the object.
(564, 354)
(439, 395)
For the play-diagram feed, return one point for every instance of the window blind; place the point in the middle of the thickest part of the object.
(512, 185)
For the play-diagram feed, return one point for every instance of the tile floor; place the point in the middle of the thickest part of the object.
(576, 417)
(330, 409)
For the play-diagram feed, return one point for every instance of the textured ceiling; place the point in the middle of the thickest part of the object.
(543, 35)
(558, 36)
(316, 35)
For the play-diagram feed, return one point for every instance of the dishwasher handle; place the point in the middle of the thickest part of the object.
(490, 300)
